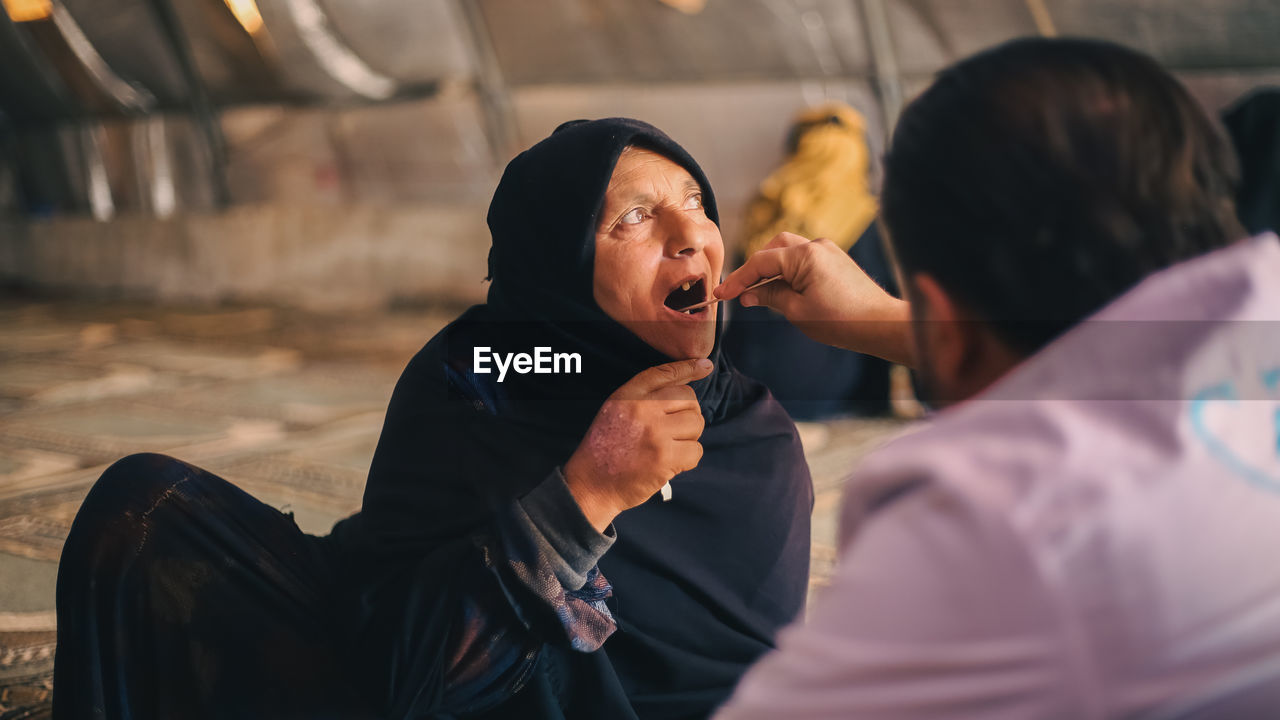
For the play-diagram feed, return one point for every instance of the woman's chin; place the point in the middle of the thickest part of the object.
(685, 343)
(679, 337)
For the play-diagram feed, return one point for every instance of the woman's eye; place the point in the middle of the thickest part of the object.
(693, 203)
(633, 217)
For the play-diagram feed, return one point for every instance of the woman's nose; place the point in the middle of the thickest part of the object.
(685, 237)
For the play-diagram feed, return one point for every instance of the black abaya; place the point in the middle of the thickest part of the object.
(701, 583)
(181, 596)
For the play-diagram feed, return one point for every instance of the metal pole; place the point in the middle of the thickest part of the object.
(494, 98)
(201, 104)
(1044, 21)
(885, 58)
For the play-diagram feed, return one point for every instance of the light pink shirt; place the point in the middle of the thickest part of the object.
(1095, 536)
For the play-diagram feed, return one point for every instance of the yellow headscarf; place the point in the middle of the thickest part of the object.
(823, 189)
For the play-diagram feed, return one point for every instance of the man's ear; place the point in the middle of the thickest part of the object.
(947, 334)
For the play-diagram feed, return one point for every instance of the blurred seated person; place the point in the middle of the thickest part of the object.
(620, 537)
(1254, 126)
(822, 190)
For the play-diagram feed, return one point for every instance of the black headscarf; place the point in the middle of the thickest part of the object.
(701, 583)
(543, 221)
(1254, 126)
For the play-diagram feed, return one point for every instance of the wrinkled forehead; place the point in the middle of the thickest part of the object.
(633, 155)
(639, 167)
(635, 159)
(639, 171)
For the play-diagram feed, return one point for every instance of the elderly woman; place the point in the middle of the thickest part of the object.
(616, 530)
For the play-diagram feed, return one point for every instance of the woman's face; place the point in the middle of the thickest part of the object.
(653, 241)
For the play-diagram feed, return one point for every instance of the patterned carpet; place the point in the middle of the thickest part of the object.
(287, 405)
(26, 672)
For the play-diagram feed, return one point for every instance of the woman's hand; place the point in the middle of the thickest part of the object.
(824, 293)
(645, 433)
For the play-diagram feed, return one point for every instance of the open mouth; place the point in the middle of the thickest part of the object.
(690, 291)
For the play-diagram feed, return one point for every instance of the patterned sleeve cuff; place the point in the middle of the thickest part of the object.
(555, 523)
(539, 564)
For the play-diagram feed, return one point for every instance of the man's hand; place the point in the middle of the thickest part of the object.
(824, 293)
(645, 433)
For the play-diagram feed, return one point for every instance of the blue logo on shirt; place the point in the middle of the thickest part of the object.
(1225, 392)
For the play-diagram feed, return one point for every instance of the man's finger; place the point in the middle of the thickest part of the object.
(665, 375)
(768, 262)
(763, 264)
(785, 240)
(776, 295)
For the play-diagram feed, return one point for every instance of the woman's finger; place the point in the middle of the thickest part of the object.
(685, 425)
(687, 455)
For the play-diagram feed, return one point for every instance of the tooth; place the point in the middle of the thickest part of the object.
(686, 286)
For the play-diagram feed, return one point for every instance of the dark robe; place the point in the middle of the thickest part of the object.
(180, 596)
(437, 557)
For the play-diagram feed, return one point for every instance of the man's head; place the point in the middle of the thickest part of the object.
(657, 252)
(1032, 184)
